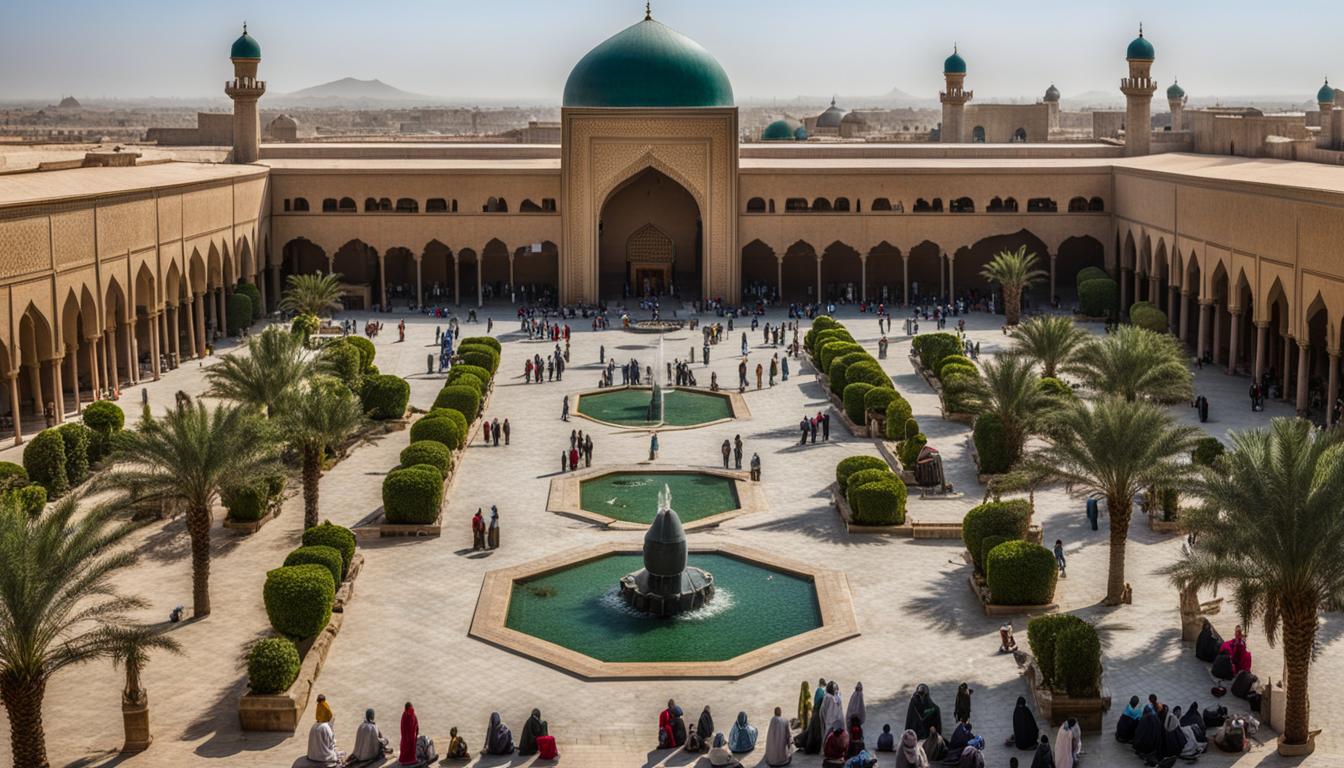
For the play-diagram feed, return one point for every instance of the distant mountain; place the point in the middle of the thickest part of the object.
(350, 90)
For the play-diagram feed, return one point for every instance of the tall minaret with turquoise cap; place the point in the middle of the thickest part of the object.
(1138, 89)
(245, 89)
(954, 97)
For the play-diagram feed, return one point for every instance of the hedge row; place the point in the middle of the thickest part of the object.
(1020, 573)
(991, 445)
(875, 494)
(854, 374)
(251, 499)
(1006, 519)
(1145, 315)
(1068, 654)
(58, 459)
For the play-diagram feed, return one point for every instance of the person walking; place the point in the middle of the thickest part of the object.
(784, 367)
(492, 534)
(704, 353)
(477, 531)
(759, 372)
(742, 375)
(727, 449)
(494, 431)
(1059, 558)
(564, 409)
(506, 431)
(813, 424)
(653, 446)
(756, 467)
(826, 427)
(588, 450)
(802, 426)
(737, 452)
(774, 369)
(573, 459)
(602, 354)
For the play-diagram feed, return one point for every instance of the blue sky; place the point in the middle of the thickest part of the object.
(523, 49)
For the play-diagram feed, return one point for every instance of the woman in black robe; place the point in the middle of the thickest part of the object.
(534, 727)
(678, 726)
(1045, 757)
(961, 706)
(1128, 723)
(811, 740)
(705, 725)
(923, 713)
(1195, 721)
(1025, 731)
(1148, 735)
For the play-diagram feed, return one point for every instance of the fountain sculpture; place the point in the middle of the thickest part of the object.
(666, 586)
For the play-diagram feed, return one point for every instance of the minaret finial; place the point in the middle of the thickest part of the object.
(1140, 29)
(244, 27)
(648, 10)
(954, 46)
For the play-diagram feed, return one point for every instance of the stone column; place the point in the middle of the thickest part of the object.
(457, 283)
(1287, 364)
(58, 387)
(154, 344)
(1185, 316)
(817, 298)
(942, 276)
(863, 277)
(1234, 342)
(1155, 291)
(382, 280)
(1217, 334)
(951, 278)
(199, 325)
(261, 290)
(1053, 292)
(1124, 291)
(132, 351)
(1332, 388)
(1261, 328)
(480, 291)
(419, 287)
(74, 375)
(1201, 341)
(94, 384)
(779, 276)
(14, 406)
(35, 383)
(1303, 356)
(905, 280)
(110, 355)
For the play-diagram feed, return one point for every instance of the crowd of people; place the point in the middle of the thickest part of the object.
(811, 424)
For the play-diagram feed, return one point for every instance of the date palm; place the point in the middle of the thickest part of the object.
(1114, 448)
(130, 647)
(313, 294)
(1051, 340)
(1009, 389)
(313, 419)
(1014, 271)
(59, 606)
(276, 361)
(182, 459)
(1135, 363)
(1271, 527)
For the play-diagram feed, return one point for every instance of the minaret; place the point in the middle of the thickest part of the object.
(954, 99)
(1325, 97)
(245, 89)
(1176, 101)
(1138, 89)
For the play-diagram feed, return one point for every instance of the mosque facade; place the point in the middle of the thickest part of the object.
(113, 275)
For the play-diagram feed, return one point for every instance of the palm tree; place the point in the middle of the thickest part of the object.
(130, 648)
(1051, 340)
(58, 603)
(184, 458)
(1115, 448)
(1015, 271)
(1009, 389)
(313, 419)
(276, 360)
(1271, 527)
(313, 294)
(1135, 363)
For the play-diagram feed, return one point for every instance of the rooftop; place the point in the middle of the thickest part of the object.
(78, 183)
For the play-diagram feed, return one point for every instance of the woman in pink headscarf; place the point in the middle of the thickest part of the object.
(1236, 649)
(410, 732)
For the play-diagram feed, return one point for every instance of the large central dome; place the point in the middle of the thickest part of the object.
(648, 65)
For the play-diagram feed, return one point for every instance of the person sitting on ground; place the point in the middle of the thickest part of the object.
(970, 757)
(1232, 736)
(911, 752)
(1128, 724)
(813, 737)
(457, 746)
(778, 741)
(370, 744)
(694, 744)
(742, 736)
(962, 736)
(855, 736)
(705, 727)
(886, 740)
(861, 759)
(498, 737)
(935, 748)
(836, 751)
(322, 740)
(1236, 649)
(534, 727)
(719, 756)
(667, 739)
(1007, 642)
(1025, 730)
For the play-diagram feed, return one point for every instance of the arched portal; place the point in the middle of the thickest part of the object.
(841, 273)
(970, 262)
(535, 274)
(650, 238)
(760, 271)
(885, 273)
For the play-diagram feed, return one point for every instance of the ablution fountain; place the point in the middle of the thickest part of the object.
(666, 586)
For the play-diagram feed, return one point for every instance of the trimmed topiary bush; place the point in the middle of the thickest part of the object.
(1042, 633)
(466, 380)
(954, 369)
(1009, 519)
(954, 360)
(480, 356)
(851, 464)
(1145, 315)
(1098, 297)
(413, 495)
(430, 452)
(867, 476)
(463, 399)
(898, 411)
(32, 499)
(106, 419)
(488, 341)
(337, 537)
(854, 399)
(1078, 660)
(298, 599)
(238, 313)
(462, 369)
(1090, 273)
(1020, 573)
(956, 382)
(991, 445)
(933, 347)
(1206, 452)
(830, 349)
(877, 400)
(12, 475)
(439, 429)
(44, 459)
(77, 438)
(879, 503)
(319, 554)
(838, 372)
(246, 502)
(254, 295)
(344, 361)
(272, 666)
(455, 416)
(385, 396)
(868, 371)
(367, 352)
(908, 452)
(826, 337)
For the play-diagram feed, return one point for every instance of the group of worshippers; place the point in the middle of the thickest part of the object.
(553, 366)
(702, 737)
(580, 448)
(1158, 732)
(811, 424)
(835, 729)
(492, 430)
(485, 534)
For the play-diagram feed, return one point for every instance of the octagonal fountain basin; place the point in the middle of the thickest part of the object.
(631, 496)
(569, 612)
(682, 408)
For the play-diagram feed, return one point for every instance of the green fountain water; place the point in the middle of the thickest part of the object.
(630, 407)
(632, 496)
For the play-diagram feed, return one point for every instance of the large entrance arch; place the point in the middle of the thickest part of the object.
(650, 239)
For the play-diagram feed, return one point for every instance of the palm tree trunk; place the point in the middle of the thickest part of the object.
(1299, 636)
(1118, 510)
(312, 472)
(23, 703)
(198, 526)
(1012, 304)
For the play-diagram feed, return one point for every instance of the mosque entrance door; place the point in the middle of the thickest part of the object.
(649, 255)
(650, 239)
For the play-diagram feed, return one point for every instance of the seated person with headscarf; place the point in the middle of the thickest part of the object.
(855, 736)
(457, 746)
(963, 736)
(742, 736)
(666, 738)
(836, 751)
(1025, 730)
(322, 740)
(1194, 720)
(719, 756)
(1129, 722)
(911, 752)
(1236, 649)
(498, 737)
(370, 744)
(1231, 737)
(886, 740)
(861, 759)
(971, 757)
(935, 748)
(534, 727)
(1044, 757)
(704, 731)
(778, 744)
(813, 737)
(1191, 744)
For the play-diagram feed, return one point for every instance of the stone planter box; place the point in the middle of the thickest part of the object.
(252, 526)
(377, 527)
(981, 591)
(345, 592)
(135, 722)
(1057, 707)
(281, 712)
(1157, 525)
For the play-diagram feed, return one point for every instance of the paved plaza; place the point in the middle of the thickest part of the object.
(404, 636)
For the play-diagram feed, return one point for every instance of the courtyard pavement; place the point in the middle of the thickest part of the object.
(405, 633)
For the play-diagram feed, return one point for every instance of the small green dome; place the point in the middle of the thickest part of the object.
(1140, 49)
(1175, 92)
(648, 65)
(800, 133)
(1051, 93)
(954, 64)
(245, 47)
(781, 130)
(1326, 95)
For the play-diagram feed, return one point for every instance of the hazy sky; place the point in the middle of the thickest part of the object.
(523, 49)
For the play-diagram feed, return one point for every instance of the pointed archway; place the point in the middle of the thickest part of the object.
(650, 238)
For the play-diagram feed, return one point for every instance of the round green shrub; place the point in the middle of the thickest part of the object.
(868, 371)
(344, 361)
(272, 666)
(825, 322)
(430, 452)
(1149, 317)
(462, 399)
(908, 451)
(337, 537)
(878, 398)
(319, 554)
(1056, 388)
(413, 495)
(898, 410)
(456, 416)
(991, 445)
(480, 356)
(830, 349)
(470, 381)
(238, 313)
(954, 360)
(953, 369)
(854, 399)
(439, 429)
(1207, 450)
(106, 419)
(246, 502)
(826, 336)
(1042, 633)
(851, 464)
(933, 347)
(488, 341)
(462, 369)
(1020, 573)
(1078, 660)
(367, 352)
(879, 503)
(1089, 273)
(44, 459)
(305, 325)
(254, 295)
(12, 475)
(298, 599)
(864, 476)
(77, 439)
(956, 383)
(1098, 297)
(835, 372)
(32, 499)
(1009, 519)
(385, 396)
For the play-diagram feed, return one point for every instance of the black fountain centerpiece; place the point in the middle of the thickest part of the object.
(666, 586)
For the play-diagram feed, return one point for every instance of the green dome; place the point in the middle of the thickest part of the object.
(245, 47)
(800, 133)
(781, 130)
(1175, 92)
(648, 65)
(1051, 93)
(1140, 49)
(1326, 95)
(954, 64)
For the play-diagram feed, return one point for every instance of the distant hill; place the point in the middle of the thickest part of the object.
(350, 90)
